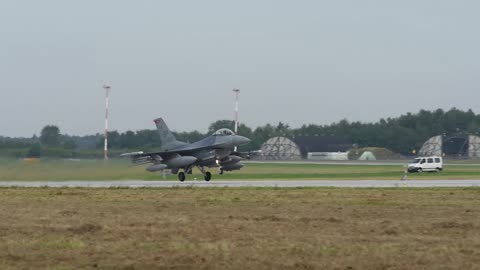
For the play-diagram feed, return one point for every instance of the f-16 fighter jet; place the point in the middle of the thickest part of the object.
(215, 150)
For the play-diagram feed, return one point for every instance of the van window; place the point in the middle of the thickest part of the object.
(423, 161)
(437, 160)
(430, 160)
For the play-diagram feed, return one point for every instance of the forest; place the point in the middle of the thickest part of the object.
(401, 135)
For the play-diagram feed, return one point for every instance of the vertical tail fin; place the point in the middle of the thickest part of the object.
(167, 138)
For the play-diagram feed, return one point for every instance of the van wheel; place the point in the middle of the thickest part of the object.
(420, 170)
(437, 170)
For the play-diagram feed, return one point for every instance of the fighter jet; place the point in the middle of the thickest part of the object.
(215, 150)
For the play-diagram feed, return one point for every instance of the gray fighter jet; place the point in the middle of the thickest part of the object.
(215, 150)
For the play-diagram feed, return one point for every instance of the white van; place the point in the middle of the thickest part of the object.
(426, 164)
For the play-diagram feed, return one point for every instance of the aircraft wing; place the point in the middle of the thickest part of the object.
(246, 155)
(139, 158)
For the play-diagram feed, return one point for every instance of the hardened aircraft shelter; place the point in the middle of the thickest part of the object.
(462, 145)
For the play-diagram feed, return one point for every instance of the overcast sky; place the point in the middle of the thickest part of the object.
(298, 62)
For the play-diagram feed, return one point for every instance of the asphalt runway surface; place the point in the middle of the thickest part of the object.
(247, 183)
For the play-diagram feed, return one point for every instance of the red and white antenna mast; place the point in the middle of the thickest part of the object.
(105, 147)
(237, 92)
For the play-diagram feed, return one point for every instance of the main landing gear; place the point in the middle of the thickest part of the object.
(206, 175)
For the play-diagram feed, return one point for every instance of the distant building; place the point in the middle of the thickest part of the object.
(280, 148)
(306, 147)
(458, 145)
(327, 156)
(367, 155)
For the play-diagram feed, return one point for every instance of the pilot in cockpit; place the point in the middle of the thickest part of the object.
(223, 132)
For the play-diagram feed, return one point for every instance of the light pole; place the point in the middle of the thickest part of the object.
(105, 146)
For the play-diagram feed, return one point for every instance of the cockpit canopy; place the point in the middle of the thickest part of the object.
(223, 132)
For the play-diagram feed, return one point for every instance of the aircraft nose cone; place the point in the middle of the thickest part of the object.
(239, 140)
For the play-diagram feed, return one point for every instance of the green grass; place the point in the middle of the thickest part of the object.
(121, 170)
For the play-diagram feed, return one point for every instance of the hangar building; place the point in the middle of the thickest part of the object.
(306, 147)
(459, 145)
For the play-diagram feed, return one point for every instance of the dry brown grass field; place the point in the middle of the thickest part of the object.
(239, 228)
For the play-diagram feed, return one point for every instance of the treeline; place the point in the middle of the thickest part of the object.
(51, 143)
(401, 135)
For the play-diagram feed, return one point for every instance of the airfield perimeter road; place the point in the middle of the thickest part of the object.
(250, 183)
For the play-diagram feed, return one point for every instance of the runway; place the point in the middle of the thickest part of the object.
(247, 183)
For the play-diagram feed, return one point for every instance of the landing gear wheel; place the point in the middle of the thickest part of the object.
(220, 171)
(208, 176)
(181, 176)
